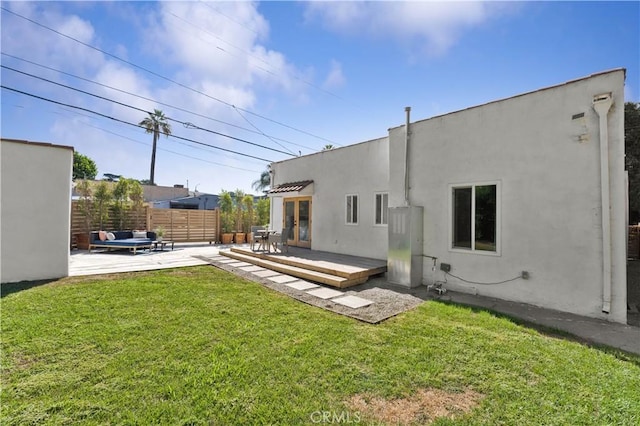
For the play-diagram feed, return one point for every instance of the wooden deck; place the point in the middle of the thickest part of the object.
(337, 270)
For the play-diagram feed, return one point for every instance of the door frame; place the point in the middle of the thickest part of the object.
(294, 237)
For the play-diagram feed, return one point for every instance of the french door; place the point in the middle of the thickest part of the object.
(297, 221)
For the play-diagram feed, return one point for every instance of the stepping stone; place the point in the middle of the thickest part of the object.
(281, 279)
(253, 268)
(302, 285)
(353, 301)
(325, 293)
(266, 273)
(239, 264)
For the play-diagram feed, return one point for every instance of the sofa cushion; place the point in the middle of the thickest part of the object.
(139, 234)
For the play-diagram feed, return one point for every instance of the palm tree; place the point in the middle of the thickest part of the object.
(155, 123)
(263, 183)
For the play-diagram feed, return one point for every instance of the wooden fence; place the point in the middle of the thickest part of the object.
(186, 225)
(180, 225)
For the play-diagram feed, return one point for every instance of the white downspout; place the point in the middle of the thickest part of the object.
(602, 104)
(406, 156)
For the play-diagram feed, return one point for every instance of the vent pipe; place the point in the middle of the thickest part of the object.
(602, 104)
(407, 110)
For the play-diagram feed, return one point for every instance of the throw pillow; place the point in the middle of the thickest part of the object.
(102, 235)
(110, 236)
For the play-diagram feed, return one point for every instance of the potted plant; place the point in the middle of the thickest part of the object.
(86, 207)
(159, 233)
(226, 217)
(239, 213)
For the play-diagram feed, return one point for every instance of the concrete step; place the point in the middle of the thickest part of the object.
(296, 271)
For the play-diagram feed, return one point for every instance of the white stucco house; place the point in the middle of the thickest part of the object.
(522, 199)
(35, 210)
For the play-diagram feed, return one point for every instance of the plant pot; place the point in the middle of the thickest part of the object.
(82, 241)
(227, 238)
(240, 237)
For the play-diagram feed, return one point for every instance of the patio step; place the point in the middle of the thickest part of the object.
(296, 271)
(350, 267)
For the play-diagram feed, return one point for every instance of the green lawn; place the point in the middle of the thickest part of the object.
(201, 346)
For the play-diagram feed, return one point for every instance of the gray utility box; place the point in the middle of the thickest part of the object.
(404, 260)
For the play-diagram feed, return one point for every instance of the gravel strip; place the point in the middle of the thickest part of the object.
(386, 303)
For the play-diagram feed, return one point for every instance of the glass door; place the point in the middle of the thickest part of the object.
(297, 221)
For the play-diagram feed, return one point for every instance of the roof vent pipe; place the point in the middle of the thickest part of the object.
(602, 104)
(407, 110)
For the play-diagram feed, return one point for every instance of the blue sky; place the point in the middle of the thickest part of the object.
(291, 76)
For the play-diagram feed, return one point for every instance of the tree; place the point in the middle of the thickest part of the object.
(263, 210)
(102, 196)
(264, 182)
(121, 201)
(632, 159)
(155, 123)
(83, 167)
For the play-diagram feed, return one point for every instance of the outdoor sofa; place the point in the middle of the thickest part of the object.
(131, 240)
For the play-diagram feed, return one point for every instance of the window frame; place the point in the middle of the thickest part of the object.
(383, 214)
(357, 212)
(473, 250)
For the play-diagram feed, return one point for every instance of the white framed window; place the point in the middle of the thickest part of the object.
(475, 217)
(382, 208)
(352, 209)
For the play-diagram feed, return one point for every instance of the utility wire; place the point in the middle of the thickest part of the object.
(481, 283)
(160, 149)
(131, 124)
(264, 134)
(249, 54)
(154, 100)
(143, 110)
(163, 77)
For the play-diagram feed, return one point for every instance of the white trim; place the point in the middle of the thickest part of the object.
(357, 209)
(472, 250)
(375, 208)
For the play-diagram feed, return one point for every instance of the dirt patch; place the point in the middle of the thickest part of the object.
(424, 407)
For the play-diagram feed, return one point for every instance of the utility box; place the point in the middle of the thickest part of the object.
(404, 259)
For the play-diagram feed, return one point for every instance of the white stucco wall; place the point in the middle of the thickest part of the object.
(547, 165)
(360, 169)
(35, 203)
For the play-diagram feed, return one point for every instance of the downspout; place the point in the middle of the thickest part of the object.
(406, 156)
(602, 104)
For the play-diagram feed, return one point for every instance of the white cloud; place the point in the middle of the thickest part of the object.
(433, 26)
(335, 78)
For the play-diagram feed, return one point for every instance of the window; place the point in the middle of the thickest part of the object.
(382, 206)
(352, 209)
(475, 217)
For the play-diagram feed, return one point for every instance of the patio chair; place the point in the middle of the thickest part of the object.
(256, 237)
(279, 238)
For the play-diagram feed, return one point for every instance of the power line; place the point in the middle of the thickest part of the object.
(163, 149)
(249, 54)
(161, 76)
(143, 110)
(154, 101)
(131, 124)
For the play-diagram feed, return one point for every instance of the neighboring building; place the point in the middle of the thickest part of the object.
(35, 210)
(201, 201)
(523, 198)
